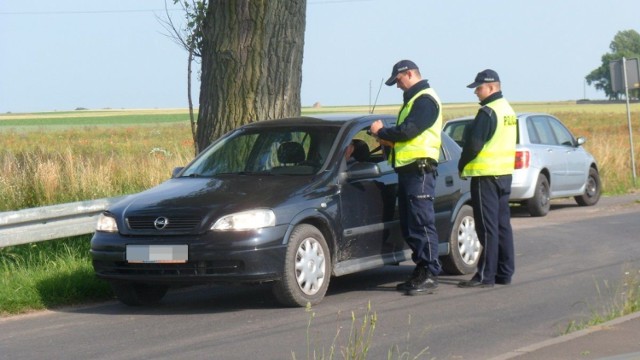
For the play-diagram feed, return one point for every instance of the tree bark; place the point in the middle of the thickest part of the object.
(251, 64)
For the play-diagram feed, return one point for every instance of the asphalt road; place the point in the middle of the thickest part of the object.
(570, 265)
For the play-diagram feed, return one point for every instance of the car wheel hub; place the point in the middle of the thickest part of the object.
(310, 266)
(468, 243)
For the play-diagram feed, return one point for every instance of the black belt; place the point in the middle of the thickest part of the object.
(421, 165)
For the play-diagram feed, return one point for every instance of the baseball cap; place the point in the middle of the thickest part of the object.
(400, 66)
(484, 76)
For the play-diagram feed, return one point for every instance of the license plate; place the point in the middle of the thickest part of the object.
(157, 253)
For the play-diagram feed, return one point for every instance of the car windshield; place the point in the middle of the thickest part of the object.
(266, 151)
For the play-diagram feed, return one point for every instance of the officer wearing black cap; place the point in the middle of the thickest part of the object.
(488, 158)
(415, 149)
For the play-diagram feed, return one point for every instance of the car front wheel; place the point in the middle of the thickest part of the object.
(463, 244)
(306, 274)
(540, 203)
(592, 190)
(137, 294)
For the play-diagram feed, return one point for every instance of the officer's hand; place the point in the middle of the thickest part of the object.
(376, 126)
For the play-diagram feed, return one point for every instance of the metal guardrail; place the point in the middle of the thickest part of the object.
(51, 222)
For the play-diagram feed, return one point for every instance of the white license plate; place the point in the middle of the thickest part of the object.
(157, 253)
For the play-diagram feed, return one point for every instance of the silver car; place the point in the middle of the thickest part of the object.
(550, 163)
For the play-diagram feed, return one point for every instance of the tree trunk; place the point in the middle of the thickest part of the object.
(251, 64)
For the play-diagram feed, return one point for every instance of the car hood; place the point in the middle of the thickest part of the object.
(210, 198)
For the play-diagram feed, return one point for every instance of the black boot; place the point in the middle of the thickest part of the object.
(425, 283)
(406, 285)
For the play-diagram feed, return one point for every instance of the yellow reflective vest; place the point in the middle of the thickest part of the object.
(427, 144)
(497, 156)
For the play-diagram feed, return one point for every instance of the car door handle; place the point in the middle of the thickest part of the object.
(448, 180)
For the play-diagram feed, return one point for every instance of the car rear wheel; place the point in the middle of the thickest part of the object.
(137, 294)
(592, 190)
(306, 274)
(463, 244)
(540, 203)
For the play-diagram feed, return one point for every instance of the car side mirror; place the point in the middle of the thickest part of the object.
(363, 170)
(581, 140)
(176, 171)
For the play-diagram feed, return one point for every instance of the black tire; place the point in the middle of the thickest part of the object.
(138, 294)
(464, 245)
(592, 190)
(307, 268)
(540, 203)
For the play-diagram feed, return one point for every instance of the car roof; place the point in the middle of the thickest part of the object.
(520, 115)
(333, 119)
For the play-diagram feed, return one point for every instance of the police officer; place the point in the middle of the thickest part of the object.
(488, 158)
(414, 149)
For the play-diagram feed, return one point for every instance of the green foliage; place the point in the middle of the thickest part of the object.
(48, 274)
(625, 44)
(195, 14)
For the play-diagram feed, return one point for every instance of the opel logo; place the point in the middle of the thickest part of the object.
(161, 223)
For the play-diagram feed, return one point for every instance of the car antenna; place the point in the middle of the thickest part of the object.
(378, 94)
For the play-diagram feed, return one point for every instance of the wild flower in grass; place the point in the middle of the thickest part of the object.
(157, 150)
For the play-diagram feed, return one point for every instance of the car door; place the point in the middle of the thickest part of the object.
(546, 152)
(368, 208)
(577, 164)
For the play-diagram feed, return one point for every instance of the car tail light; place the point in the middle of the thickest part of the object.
(522, 159)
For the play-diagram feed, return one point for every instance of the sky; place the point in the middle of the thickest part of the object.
(59, 55)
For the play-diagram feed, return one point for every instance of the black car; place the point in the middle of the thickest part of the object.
(276, 201)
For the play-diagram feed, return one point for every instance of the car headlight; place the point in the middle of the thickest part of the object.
(106, 223)
(246, 220)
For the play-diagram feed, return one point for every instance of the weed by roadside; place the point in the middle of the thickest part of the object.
(358, 342)
(618, 300)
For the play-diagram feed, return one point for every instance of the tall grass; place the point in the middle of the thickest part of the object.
(44, 165)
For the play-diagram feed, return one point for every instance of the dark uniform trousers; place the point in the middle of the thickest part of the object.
(490, 198)
(416, 194)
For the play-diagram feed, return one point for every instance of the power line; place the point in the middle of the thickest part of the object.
(84, 12)
(326, 2)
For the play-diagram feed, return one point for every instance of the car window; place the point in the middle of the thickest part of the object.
(455, 130)
(376, 152)
(540, 131)
(288, 151)
(562, 134)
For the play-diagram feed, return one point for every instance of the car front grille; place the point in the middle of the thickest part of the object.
(174, 223)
